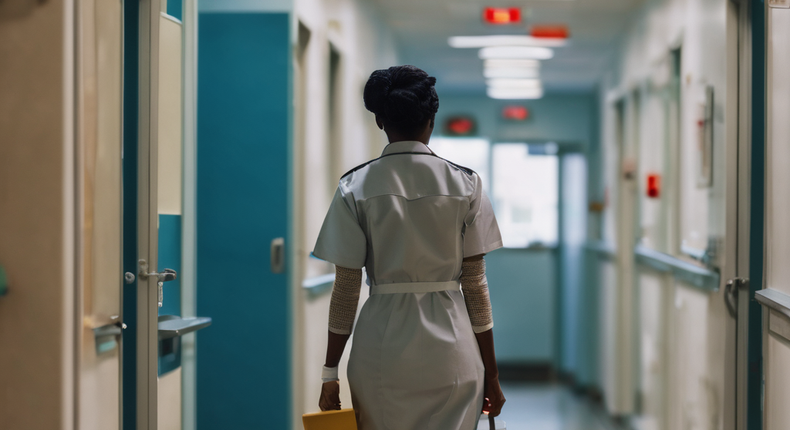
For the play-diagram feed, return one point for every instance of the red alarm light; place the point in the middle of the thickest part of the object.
(460, 126)
(654, 185)
(502, 15)
(515, 113)
(555, 31)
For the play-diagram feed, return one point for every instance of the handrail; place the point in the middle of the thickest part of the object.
(775, 300)
(699, 277)
(318, 285)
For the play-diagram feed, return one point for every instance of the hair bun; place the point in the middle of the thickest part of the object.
(404, 97)
(377, 91)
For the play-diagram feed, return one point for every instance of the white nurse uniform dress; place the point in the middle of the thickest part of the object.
(410, 217)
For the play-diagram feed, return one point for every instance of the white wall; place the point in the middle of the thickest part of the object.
(690, 324)
(364, 44)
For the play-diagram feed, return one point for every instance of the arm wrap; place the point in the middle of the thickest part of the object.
(475, 288)
(345, 298)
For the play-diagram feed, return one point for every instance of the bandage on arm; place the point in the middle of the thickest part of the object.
(475, 287)
(345, 299)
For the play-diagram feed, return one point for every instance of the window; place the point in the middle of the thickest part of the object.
(525, 193)
(473, 153)
(522, 181)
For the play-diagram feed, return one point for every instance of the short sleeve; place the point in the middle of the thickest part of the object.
(481, 231)
(341, 240)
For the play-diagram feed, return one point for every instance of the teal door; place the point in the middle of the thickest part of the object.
(243, 360)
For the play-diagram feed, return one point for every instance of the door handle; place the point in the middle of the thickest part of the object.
(166, 275)
(277, 255)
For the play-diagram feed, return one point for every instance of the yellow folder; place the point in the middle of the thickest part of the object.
(343, 419)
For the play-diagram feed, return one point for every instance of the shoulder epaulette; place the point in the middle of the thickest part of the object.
(465, 169)
(358, 167)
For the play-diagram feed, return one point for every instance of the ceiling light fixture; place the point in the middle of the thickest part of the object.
(514, 83)
(510, 63)
(511, 94)
(511, 72)
(516, 52)
(502, 40)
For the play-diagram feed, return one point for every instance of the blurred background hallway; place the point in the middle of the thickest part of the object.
(165, 166)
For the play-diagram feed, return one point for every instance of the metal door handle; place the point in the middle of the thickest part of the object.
(278, 255)
(166, 275)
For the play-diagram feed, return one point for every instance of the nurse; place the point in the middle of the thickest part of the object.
(423, 351)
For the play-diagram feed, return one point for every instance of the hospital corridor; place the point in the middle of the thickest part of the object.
(426, 214)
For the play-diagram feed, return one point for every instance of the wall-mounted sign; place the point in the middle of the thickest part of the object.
(502, 15)
(550, 31)
(779, 4)
(515, 113)
(460, 126)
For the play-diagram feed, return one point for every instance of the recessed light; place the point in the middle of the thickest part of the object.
(503, 40)
(516, 52)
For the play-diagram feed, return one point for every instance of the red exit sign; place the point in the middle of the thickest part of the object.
(515, 113)
(460, 126)
(502, 15)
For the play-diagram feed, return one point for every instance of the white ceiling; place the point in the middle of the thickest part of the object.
(423, 26)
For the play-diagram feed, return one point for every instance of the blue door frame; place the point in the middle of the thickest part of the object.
(131, 52)
(754, 414)
(244, 360)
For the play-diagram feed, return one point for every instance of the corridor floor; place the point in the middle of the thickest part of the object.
(549, 406)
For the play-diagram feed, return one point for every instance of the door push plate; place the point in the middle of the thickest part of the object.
(278, 255)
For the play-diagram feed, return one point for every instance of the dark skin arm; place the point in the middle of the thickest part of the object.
(492, 392)
(330, 391)
(494, 398)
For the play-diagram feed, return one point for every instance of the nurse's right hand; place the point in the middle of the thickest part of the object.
(330, 396)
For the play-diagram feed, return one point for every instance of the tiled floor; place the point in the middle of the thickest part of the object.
(532, 406)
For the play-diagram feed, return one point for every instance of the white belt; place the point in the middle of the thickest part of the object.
(415, 287)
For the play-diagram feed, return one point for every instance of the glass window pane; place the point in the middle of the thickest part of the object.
(471, 153)
(525, 195)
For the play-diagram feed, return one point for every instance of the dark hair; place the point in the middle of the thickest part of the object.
(404, 97)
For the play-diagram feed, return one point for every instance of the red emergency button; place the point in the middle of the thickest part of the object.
(653, 185)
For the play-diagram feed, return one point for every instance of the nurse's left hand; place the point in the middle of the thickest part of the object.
(494, 398)
(330, 396)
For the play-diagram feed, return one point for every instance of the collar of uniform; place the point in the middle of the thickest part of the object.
(406, 146)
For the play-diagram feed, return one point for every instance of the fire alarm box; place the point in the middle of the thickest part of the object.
(654, 185)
